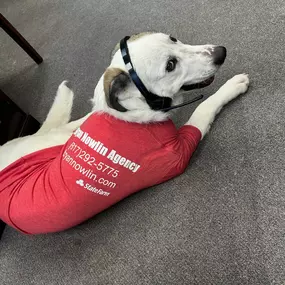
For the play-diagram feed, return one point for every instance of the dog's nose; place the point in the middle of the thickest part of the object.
(219, 55)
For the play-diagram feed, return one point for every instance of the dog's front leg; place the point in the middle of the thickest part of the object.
(205, 113)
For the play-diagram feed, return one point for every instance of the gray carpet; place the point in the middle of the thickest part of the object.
(221, 222)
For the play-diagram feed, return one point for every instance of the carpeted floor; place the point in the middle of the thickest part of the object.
(221, 222)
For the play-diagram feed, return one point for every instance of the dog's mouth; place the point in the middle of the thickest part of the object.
(199, 85)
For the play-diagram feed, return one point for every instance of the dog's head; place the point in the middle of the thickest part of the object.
(165, 66)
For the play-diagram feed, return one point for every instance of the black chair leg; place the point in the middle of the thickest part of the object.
(2, 227)
(14, 123)
(19, 39)
(30, 125)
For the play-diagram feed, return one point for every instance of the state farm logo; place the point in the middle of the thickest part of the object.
(80, 182)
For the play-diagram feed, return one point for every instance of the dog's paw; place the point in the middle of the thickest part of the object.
(239, 82)
(233, 88)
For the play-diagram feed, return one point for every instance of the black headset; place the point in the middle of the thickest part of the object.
(155, 102)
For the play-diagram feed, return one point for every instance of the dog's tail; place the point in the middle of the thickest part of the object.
(60, 111)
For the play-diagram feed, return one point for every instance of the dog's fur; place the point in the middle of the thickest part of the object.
(150, 53)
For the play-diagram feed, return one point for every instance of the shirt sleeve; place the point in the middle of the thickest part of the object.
(171, 159)
(188, 138)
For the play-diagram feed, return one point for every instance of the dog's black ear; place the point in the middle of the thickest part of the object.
(115, 81)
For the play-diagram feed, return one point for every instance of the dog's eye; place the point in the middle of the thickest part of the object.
(173, 39)
(171, 64)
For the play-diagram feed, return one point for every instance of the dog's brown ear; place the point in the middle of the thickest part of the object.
(115, 81)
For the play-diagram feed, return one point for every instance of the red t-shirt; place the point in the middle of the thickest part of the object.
(104, 161)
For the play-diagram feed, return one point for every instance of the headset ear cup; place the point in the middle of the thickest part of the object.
(115, 81)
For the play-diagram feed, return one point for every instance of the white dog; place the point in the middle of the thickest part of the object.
(127, 144)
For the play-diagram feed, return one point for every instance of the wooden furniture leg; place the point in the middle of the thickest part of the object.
(19, 39)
